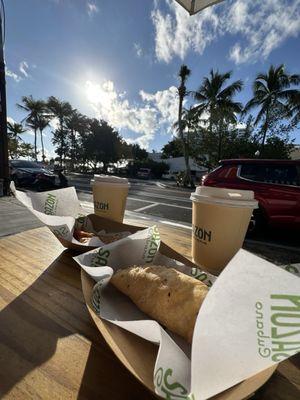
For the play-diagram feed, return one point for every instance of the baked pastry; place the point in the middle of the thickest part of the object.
(165, 294)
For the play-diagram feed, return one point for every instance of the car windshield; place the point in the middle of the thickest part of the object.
(24, 164)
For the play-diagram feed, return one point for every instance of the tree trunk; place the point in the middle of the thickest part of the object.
(35, 152)
(265, 130)
(42, 142)
(220, 140)
(187, 178)
(72, 152)
(187, 174)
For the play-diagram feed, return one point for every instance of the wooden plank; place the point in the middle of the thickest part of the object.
(50, 347)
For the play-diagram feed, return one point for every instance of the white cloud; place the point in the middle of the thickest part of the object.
(176, 32)
(23, 68)
(138, 50)
(12, 75)
(166, 103)
(155, 114)
(11, 120)
(261, 27)
(264, 26)
(92, 8)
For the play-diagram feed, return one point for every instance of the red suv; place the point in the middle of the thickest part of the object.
(275, 183)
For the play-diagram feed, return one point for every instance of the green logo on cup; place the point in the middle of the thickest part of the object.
(201, 234)
(278, 338)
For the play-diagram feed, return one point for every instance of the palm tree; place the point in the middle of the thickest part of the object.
(295, 108)
(184, 73)
(216, 100)
(14, 130)
(60, 110)
(272, 96)
(189, 122)
(35, 109)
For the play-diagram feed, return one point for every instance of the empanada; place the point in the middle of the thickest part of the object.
(165, 294)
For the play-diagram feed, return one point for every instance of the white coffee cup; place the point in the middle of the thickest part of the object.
(110, 195)
(220, 222)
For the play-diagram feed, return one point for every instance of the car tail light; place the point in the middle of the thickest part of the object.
(203, 179)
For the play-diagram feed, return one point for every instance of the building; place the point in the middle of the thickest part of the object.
(177, 164)
(295, 153)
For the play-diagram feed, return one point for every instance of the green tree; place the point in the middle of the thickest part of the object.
(35, 109)
(217, 102)
(272, 97)
(184, 73)
(103, 145)
(137, 153)
(16, 146)
(172, 149)
(60, 110)
(77, 126)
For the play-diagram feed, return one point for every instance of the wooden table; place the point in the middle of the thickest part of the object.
(49, 346)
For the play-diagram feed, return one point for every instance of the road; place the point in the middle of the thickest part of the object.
(148, 198)
(170, 205)
(158, 202)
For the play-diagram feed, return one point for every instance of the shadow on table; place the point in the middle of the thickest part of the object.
(50, 309)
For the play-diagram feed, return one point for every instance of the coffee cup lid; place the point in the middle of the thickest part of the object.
(225, 196)
(110, 179)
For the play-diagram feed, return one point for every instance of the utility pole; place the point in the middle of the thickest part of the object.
(4, 167)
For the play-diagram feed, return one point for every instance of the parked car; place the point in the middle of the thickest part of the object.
(144, 173)
(32, 174)
(275, 183)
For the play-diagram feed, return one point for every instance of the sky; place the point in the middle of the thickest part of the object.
(119, 60)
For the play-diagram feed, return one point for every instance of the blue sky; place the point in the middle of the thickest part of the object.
(119, 59)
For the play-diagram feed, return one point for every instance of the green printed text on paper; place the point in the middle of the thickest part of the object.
(278, 336)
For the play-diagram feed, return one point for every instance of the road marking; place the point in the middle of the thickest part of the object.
(162, 196)
(145, 194)
(161, 185)
(146, 207)
(157, 203)
(156, 219)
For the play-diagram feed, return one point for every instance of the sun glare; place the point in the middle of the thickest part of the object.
(94, 92)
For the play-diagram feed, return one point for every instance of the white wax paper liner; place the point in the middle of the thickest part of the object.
(61, 211)
(139, 249)
(225, 322)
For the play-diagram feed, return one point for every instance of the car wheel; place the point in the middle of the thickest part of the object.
(258, 222)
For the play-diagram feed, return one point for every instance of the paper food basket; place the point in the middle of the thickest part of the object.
(248, 322)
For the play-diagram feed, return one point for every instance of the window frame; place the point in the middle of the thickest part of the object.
(238, 174)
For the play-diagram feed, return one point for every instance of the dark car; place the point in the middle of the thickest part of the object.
(144, 173)
(31, 174)
(275, 183)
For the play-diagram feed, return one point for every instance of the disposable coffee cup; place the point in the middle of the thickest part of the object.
(110, 195)
(219, 225)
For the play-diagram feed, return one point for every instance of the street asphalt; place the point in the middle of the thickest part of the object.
(160, 201)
